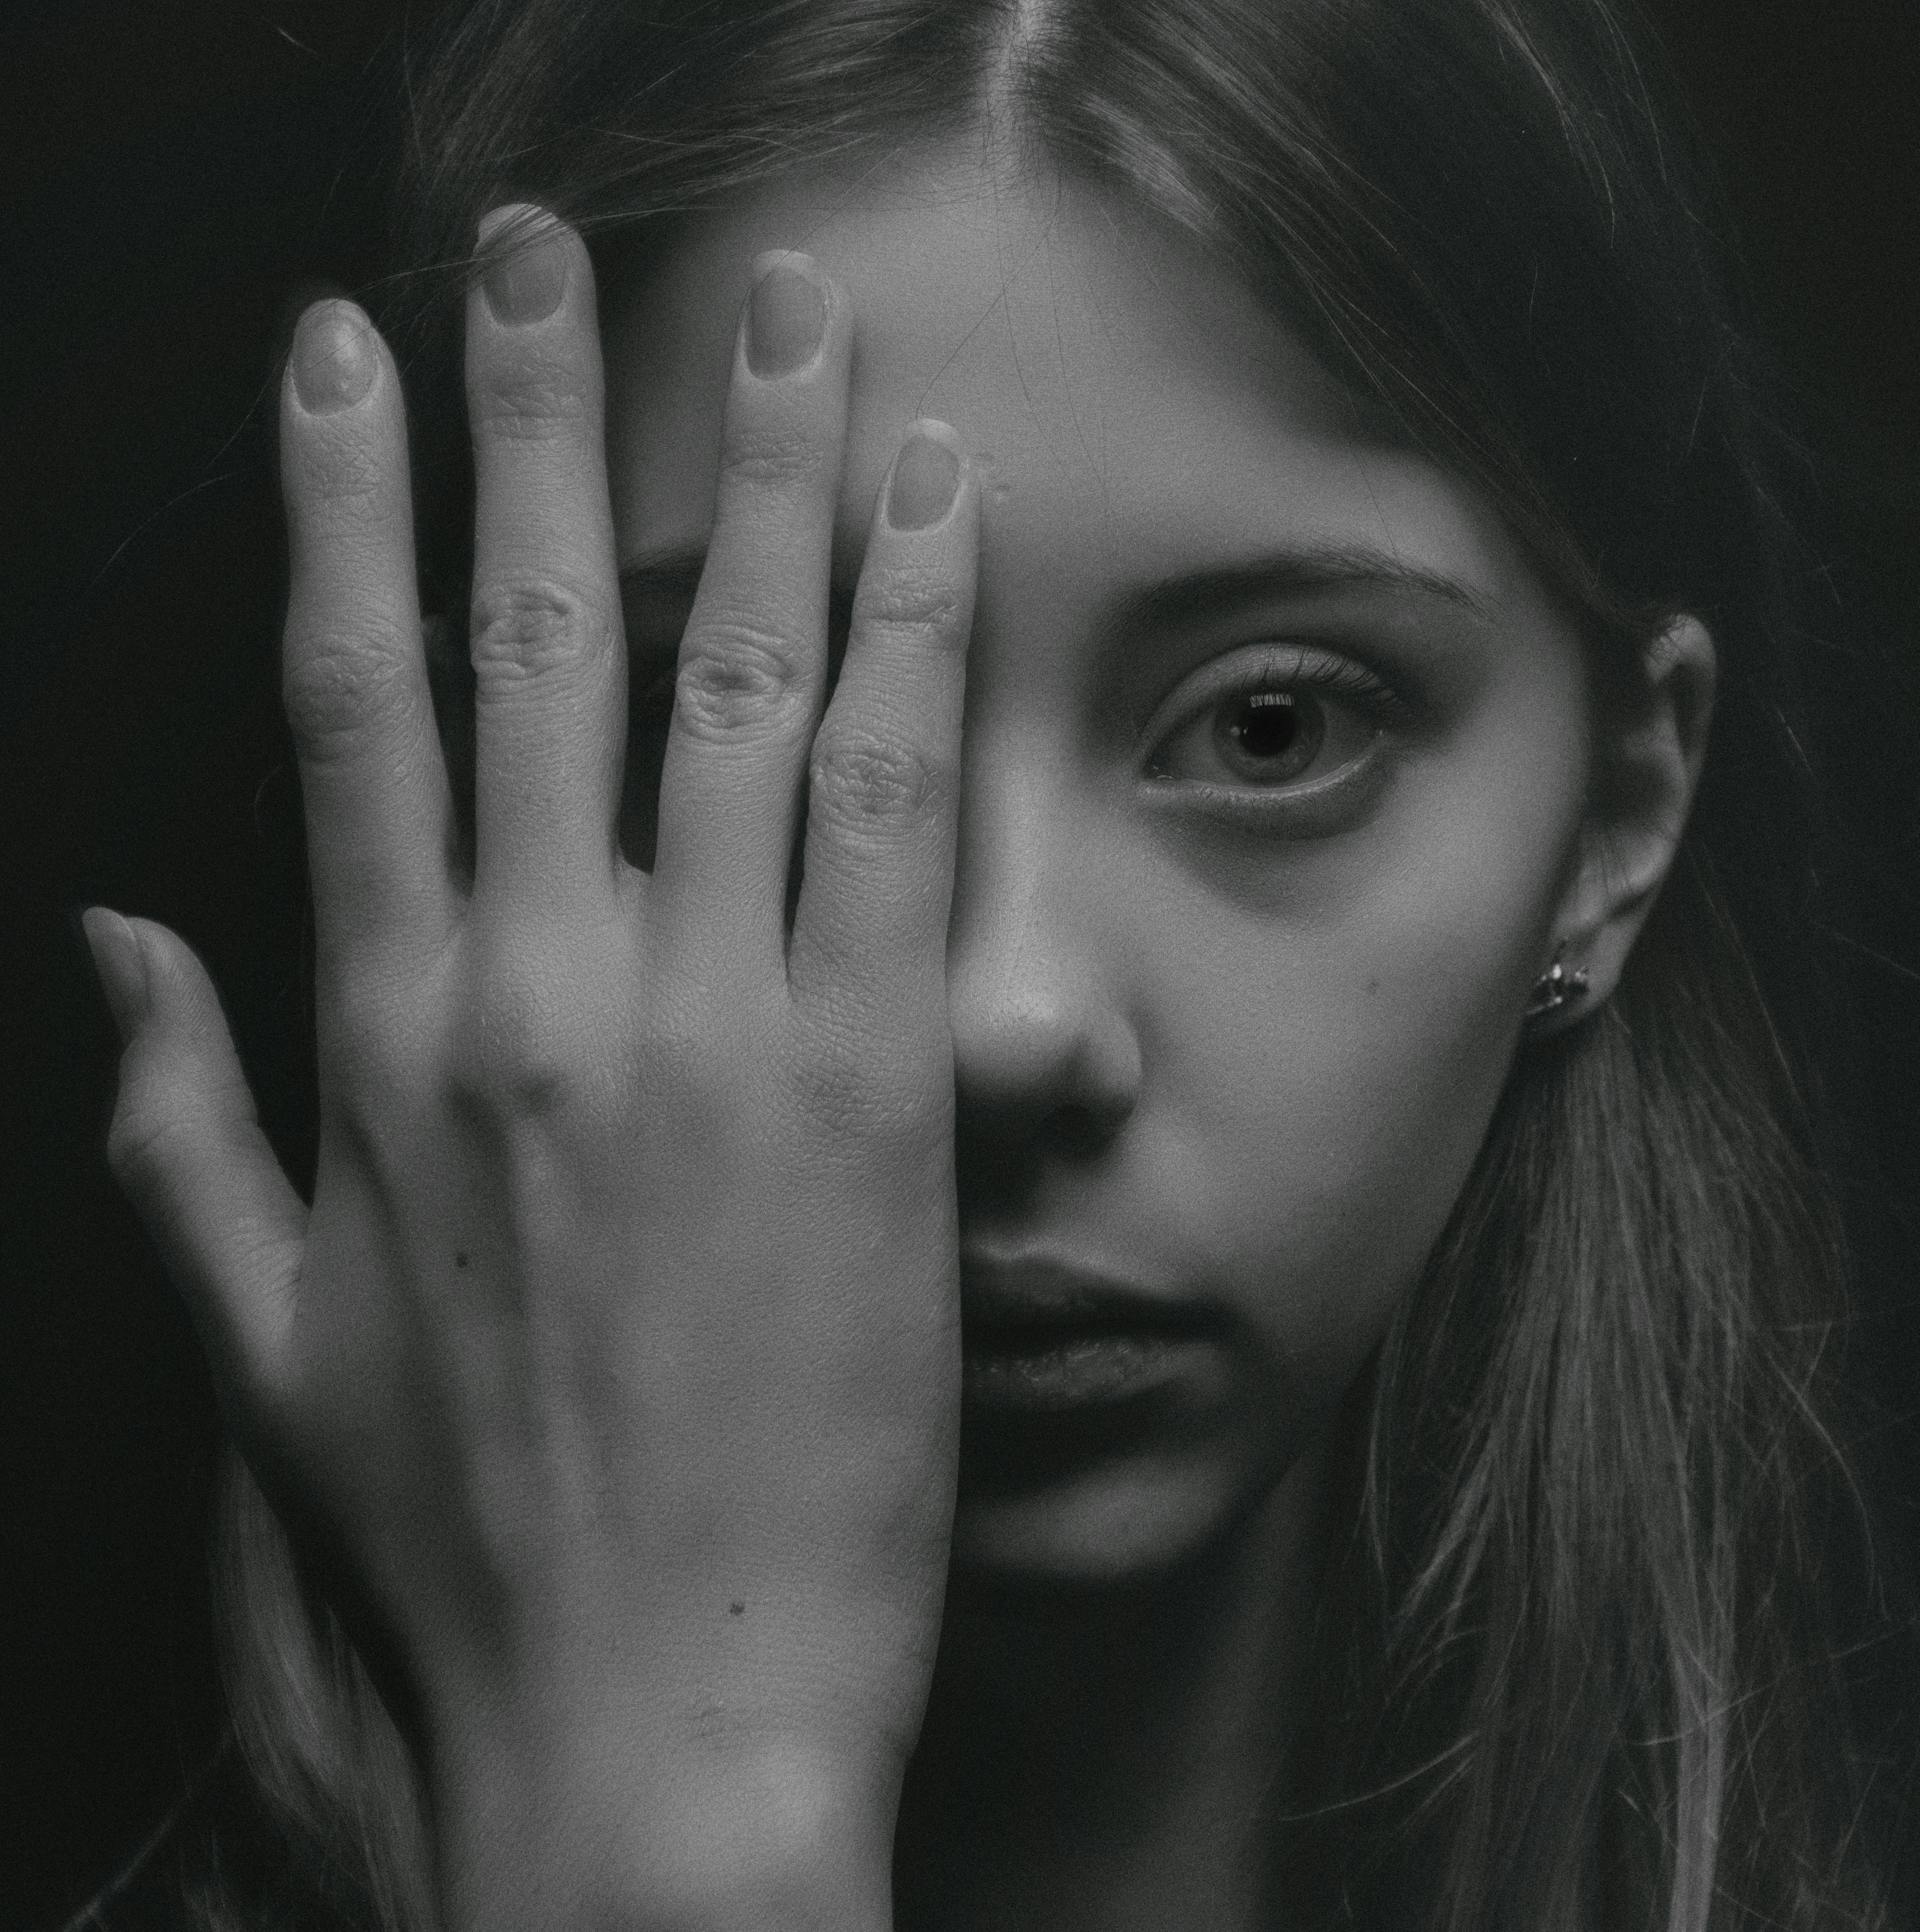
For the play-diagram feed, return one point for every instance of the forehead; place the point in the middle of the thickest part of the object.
(1121, 392)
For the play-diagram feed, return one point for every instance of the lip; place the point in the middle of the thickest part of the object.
(1042, 1335)
(1038, 1292)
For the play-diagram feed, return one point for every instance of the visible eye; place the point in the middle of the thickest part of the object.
(1268, 737)
(1272, 727)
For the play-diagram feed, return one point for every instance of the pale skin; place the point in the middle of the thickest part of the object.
(618, 1354)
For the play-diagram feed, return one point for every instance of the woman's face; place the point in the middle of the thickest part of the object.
(1276, 763)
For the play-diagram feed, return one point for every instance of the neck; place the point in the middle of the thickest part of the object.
(1116, 1759)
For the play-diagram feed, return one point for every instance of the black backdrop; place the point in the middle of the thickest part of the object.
(178, 175)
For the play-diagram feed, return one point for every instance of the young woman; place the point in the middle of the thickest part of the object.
(1067, 1175)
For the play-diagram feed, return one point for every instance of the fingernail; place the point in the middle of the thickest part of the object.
(121, 966)
(333, 358)
(926, 478)
(526, 283)
(786, 317)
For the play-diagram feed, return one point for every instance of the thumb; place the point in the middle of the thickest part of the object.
(186, 1147)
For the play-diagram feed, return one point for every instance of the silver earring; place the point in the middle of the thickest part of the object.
(1559, 986)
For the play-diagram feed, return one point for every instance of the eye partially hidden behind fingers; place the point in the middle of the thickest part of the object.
(655, 609)
(656, 606)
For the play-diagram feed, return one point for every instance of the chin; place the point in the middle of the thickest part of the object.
(1124, 1519)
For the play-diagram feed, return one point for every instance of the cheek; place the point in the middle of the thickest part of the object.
(1327, 1159)
(1330, 1064)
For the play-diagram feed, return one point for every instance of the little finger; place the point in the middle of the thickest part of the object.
(353, 674)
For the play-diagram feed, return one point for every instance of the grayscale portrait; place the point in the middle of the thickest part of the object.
(966, 966)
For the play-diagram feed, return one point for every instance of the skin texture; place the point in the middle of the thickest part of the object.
(1244, 1061)
(1241, 1059)
(613, 1367)
(616, 1359)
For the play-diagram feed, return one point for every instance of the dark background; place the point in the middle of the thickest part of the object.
(178, 175)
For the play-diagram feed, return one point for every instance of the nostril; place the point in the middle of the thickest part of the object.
(1003, 1154)
(1041, 1079)
(995, 1173)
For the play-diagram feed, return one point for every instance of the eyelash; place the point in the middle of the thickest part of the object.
(1283, 668)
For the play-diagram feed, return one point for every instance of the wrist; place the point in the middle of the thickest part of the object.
(778, 1838)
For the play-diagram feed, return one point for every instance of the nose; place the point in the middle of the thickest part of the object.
(1047, 1064)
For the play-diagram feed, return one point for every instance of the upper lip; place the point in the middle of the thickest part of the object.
(1045, 1291)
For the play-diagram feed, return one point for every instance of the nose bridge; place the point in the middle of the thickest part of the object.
(1033, 1008)
(1004, 863)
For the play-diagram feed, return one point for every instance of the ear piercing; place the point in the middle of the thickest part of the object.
(1559, 986)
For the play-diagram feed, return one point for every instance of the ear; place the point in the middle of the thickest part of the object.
(1646, 770)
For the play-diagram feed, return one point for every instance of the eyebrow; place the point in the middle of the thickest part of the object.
(1296, 571)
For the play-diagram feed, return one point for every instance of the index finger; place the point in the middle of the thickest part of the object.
(883, 797)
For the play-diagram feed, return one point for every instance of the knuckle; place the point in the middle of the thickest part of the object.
(334, 685)
(770, 454)
(342, 470)
(859, 779)
(510, 1084)
(734, 676)
(523, 1055)
(141, 1141)
(169, 1116)
(532, 627)
(508, 1073)
(531, 402)
(916, 599)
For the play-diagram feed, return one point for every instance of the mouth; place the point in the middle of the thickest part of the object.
(1041, 1336)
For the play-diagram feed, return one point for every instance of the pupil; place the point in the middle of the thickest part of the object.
(1267, 726)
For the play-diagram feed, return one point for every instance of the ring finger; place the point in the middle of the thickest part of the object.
(753, 660)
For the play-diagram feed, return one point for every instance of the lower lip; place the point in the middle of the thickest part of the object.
(1052, 1369)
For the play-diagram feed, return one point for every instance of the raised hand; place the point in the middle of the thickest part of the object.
(618, 1351)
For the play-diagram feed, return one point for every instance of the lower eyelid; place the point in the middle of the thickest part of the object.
(1317, 809)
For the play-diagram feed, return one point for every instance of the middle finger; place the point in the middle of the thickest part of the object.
(549, 653)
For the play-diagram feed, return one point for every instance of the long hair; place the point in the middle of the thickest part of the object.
(1587, 1646)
